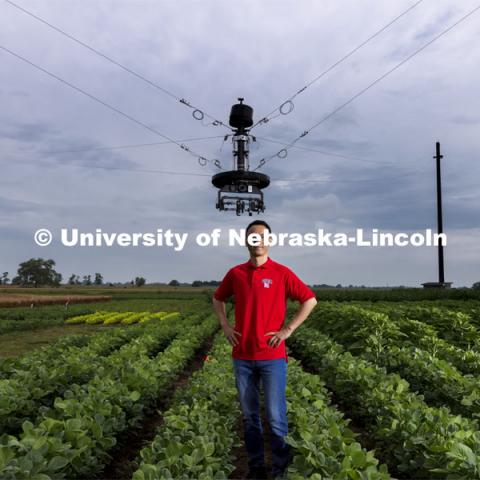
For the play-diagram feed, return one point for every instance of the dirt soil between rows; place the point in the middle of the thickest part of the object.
(124, 457)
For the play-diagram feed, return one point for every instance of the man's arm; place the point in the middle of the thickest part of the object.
(302, 314)
(299, 317)
(220, 311)
(229, 331)
(224, 291)
(296, 290)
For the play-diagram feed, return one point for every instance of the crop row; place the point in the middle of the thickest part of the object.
(323, 444)
(126, 318)
(371, 330)
(448, 307)
(413, 438)
(74, 437)
(378, 339)
(25, 393)
(197, 432)
(44, 355)
(196, 437)
(455, 327)
(426, 337)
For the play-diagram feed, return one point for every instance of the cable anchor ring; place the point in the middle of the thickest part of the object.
(198, 114)
(288, 104)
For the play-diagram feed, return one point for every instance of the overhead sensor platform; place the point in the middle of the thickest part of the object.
(241, 189)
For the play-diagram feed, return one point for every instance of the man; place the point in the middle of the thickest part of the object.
(261, 287)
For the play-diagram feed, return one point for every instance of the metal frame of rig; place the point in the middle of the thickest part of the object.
(241, 189)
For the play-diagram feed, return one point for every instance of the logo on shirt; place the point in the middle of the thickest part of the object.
(267, 282)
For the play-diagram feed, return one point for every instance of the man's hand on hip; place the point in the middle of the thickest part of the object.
(279, 336)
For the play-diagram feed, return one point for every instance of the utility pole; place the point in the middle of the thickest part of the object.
(438, 156)
(441, 273)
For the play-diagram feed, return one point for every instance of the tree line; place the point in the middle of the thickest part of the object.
(40, 272)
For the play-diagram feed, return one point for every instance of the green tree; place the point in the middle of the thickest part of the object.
(174, 283)
(37, 271)
(4, 280)
(139, 281)
(87, 279)
(476, 286)
(98, 279)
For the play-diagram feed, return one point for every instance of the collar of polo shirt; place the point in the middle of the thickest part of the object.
(264, 265)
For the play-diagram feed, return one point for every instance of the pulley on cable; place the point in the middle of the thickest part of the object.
(241, 189)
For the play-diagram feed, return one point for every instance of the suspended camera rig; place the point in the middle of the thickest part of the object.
(241, 189)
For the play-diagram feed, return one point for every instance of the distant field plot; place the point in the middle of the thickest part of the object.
(36, 300)
(120, 300)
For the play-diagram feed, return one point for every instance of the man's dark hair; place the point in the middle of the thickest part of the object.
(257, 222)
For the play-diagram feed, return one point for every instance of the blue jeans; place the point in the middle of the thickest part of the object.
(272, 374)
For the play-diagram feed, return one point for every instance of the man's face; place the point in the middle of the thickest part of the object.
(261, 249)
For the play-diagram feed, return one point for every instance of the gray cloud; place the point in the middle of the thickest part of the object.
(27, 132)
(466, 120)
(210, 55)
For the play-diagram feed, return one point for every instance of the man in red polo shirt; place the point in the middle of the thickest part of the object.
(261, 287)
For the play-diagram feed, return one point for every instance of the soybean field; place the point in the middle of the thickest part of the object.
(142, 387)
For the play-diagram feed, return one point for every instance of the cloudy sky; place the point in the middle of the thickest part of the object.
(68, 161)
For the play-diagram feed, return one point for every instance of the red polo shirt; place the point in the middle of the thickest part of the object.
(260, 305)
